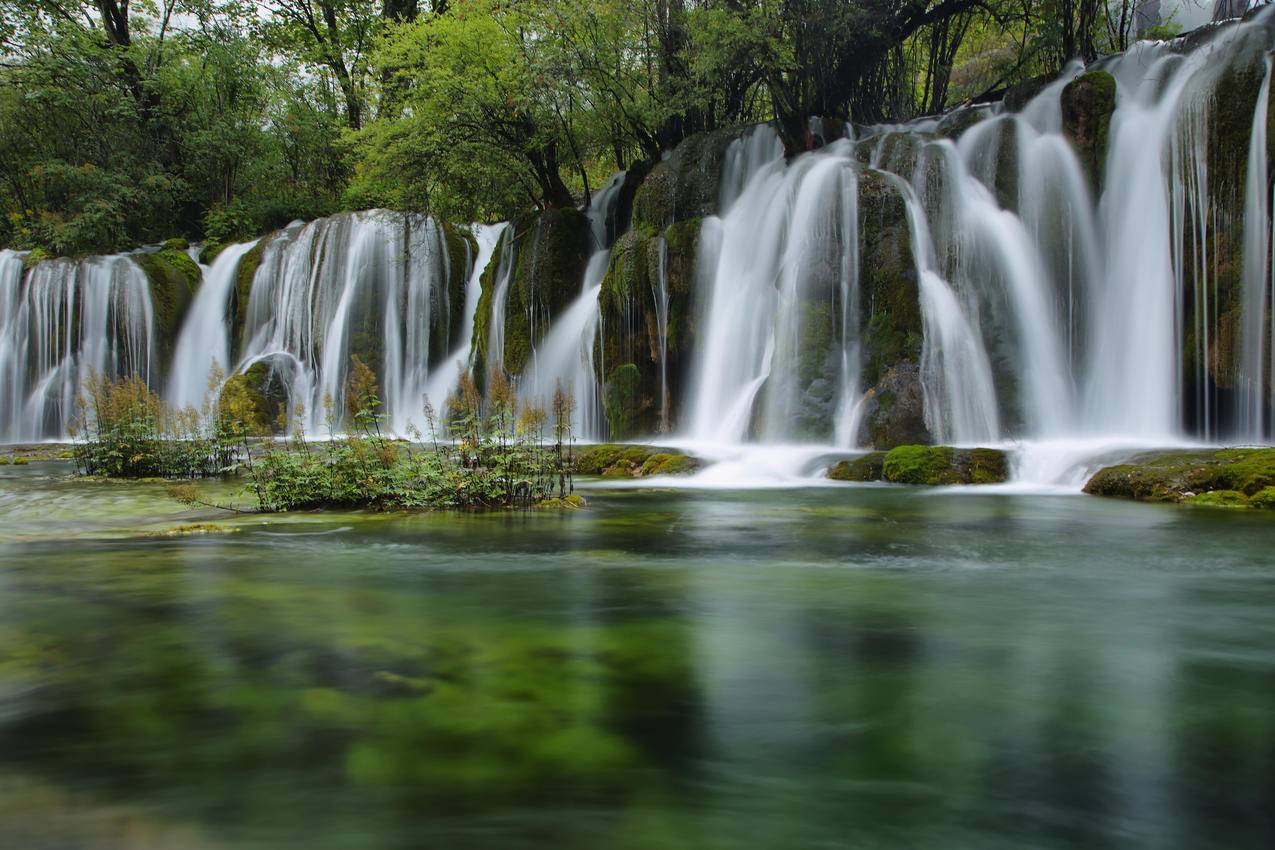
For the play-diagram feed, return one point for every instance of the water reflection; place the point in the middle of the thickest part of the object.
(842, 667)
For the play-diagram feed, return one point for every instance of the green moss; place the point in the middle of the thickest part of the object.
(1087, 106)
(21, 461)
(175, 244)
(4, 460)
(868, 467)
(890, 308)
(670, 464)
(174, 278)
(208, 254)
(622, 399)
(551, 251)
(920, 465)
(621, 460)
(1264, 498)
(244, 275)
(939, 465)
(1170, 476)
(687, 184)
(1220, 499)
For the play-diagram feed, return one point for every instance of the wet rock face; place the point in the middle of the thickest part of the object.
(1087, 105)
(174, 278)
(687, 184)
(550, 252)
(637, 387)
(894, 409)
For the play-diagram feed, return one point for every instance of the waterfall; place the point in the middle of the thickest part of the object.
(63, 321)
(564, 357)
(204, 340)
(660, 301)
(1254, 370)
(373, 284)
(443, 379)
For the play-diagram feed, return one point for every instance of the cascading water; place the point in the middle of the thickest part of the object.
(372, 284)
(1259, 285)
(564, 357)
(204, 341)
(443, 379)
(62, 322)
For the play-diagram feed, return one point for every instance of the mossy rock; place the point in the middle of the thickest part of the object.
(1171, 476)
(632, 324)
(670, 464)
(618, 460)
(868, 467)
(21, 461)
(550, 252)
(248, 265)
(954, 124)
(1088, 103)
(208, 254)
(4, 460)
(175, 244)
(1018, 96)
(686, 184)
(940, 465)
(174, 279)
(891, 307)
(621, 400)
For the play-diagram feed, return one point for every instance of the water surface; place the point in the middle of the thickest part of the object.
(868, 667)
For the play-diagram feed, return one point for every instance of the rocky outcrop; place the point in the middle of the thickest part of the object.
(687, 183)
(548, 252)
(638, 388)
(174, 278)
(1226, 477)
(890, 319)
(611, 460)
(1087, 105)
(927, 465)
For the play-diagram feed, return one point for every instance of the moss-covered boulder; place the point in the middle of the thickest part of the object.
(954, 124)
(647, 311)
(617, 460)
(936, 465)
(893, 410)
(174, 279)
(866, 467)
(686, 184)
(1087, 106)
(545, 254)
(1175, 476)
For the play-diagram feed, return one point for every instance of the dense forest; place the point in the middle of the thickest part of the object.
(131, 121)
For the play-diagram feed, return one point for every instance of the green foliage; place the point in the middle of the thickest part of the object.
(498, 456)
(124, 430)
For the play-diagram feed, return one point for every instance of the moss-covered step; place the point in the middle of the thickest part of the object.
(1219, 477)
(619, 460)
(174, 278)
(928, 465)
